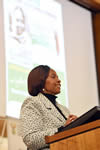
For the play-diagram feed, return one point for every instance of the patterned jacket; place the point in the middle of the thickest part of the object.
(39, 118)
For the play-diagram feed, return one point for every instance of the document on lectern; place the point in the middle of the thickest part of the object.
(92, 115)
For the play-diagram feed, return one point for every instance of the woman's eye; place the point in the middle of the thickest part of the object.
(52, 76)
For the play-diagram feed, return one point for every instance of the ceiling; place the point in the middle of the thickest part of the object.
(92, 5)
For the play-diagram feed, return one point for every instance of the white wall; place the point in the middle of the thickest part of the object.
(80, 59)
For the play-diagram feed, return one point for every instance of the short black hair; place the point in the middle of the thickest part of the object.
(37, 78)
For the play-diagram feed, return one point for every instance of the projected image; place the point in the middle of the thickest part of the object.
(33, 36)
(17, 25)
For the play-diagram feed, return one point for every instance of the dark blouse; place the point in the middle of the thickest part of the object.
(52, 98)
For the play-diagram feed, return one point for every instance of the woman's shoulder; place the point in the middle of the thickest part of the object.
(32, 100)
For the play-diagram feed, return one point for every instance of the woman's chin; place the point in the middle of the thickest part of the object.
(58, 92)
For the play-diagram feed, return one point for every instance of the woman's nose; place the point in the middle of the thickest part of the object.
(59, 80)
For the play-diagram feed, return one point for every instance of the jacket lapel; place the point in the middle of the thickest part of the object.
(51, 107)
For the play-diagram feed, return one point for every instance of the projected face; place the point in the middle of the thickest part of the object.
(52, 84)
(17, 21)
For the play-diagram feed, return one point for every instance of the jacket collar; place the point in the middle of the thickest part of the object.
(48, 104)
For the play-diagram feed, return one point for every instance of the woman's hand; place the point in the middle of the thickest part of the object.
(70, 119)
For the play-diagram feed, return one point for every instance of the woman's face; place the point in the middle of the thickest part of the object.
(52, 84)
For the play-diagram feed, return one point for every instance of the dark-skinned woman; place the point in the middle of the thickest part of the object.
(41, 115)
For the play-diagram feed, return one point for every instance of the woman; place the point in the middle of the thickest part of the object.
(41, 115)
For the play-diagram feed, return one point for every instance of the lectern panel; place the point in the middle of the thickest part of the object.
(87, 141)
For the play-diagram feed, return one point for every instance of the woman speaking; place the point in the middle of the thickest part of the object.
(40, 114)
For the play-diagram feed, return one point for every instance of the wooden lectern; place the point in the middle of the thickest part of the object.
(84, 137)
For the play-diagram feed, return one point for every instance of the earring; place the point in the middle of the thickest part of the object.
(43, 89)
